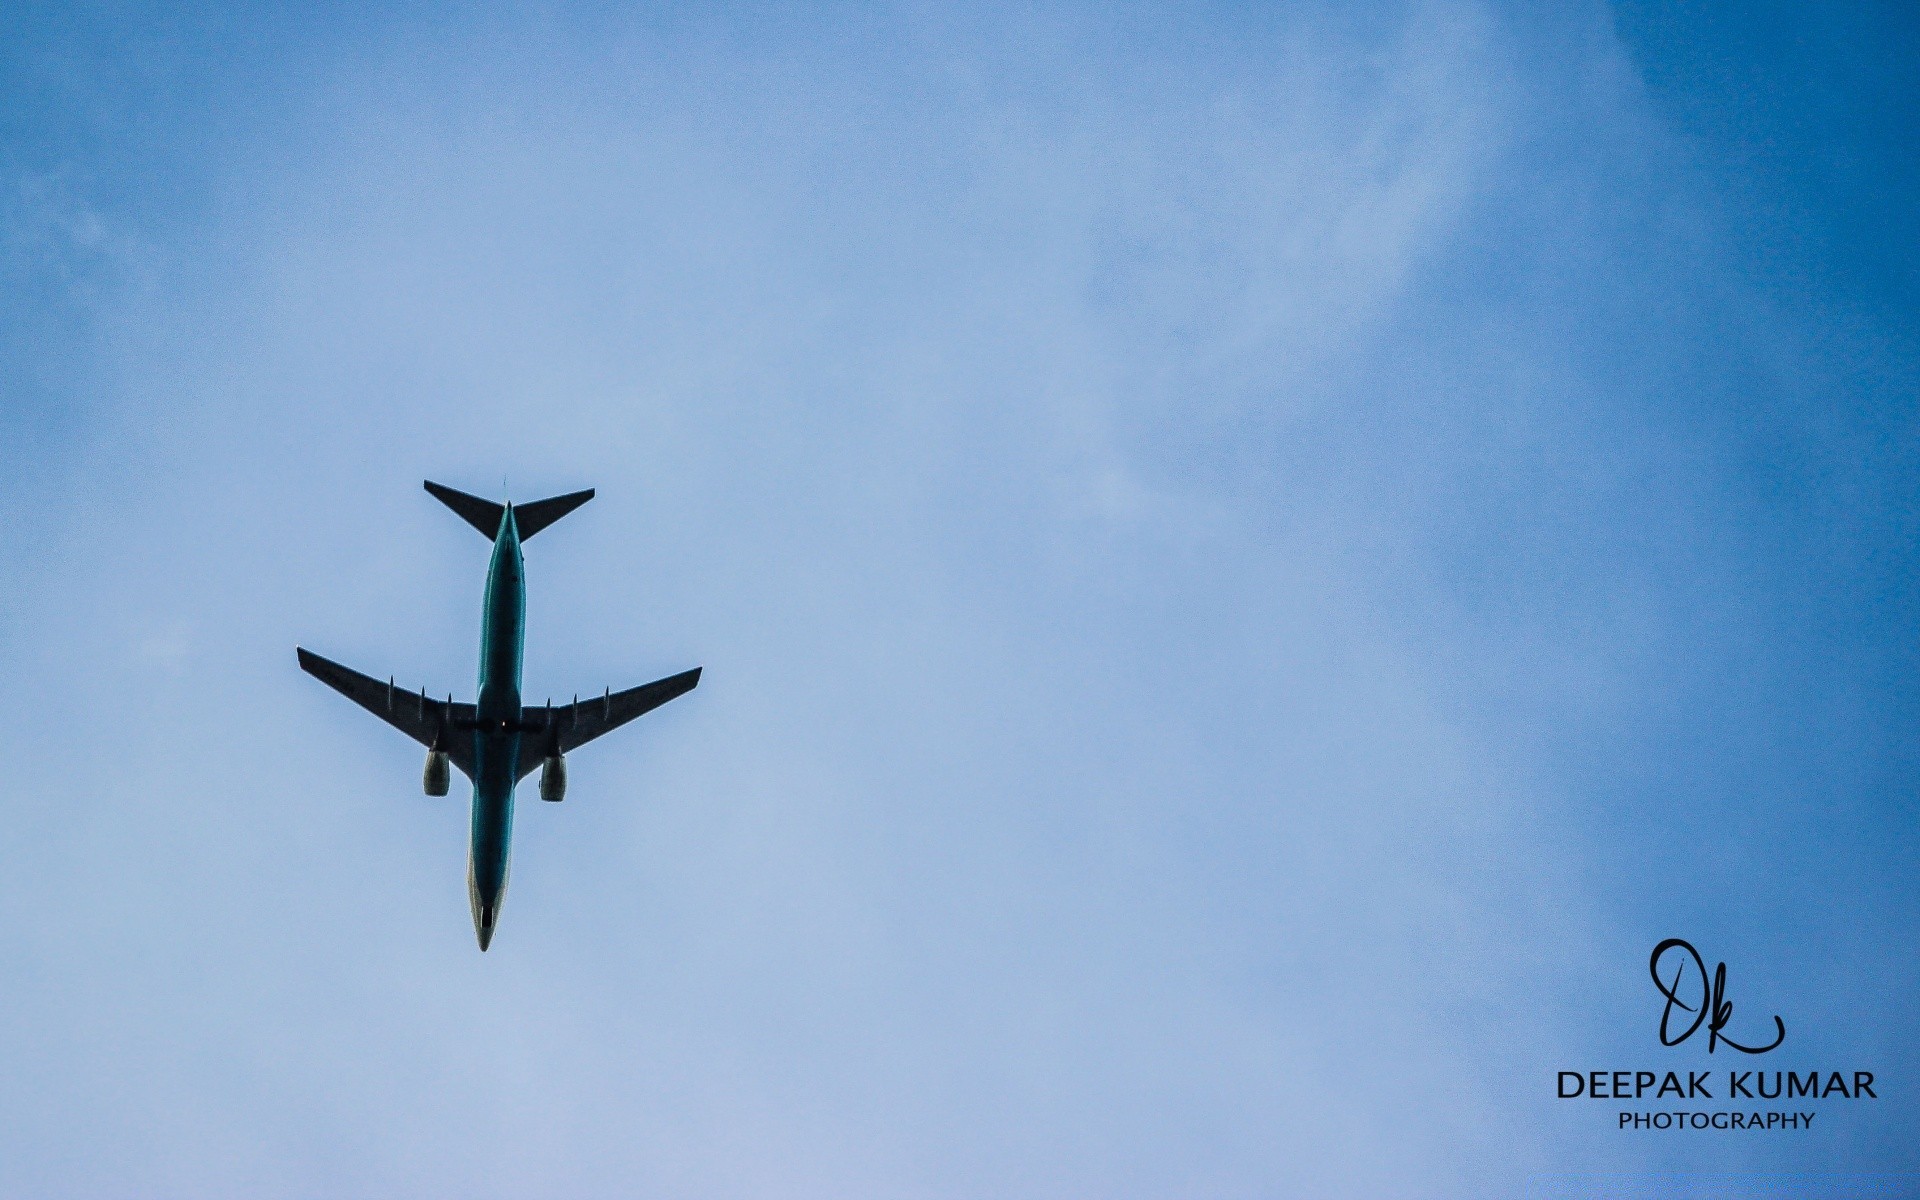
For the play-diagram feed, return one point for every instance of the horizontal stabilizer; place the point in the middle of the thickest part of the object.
(485, 515)
(532, 518)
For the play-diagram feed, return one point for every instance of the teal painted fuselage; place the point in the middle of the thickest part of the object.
(498, 728)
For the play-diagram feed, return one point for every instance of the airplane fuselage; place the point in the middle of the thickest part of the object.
(497, 736)
(496, 741)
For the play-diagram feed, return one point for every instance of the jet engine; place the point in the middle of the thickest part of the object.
(434, 779)
(553, 779)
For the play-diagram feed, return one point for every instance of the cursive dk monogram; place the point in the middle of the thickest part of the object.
(1713, 1007)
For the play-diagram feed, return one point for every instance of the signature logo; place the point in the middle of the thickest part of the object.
(1711, 1005)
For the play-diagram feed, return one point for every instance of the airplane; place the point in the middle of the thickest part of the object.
(496, 742)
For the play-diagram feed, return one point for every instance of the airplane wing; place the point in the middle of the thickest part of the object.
(582, 721)
(415, 714)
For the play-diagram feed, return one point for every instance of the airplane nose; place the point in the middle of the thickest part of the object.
(485, 913)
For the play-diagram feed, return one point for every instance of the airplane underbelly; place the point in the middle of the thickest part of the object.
(493, 816)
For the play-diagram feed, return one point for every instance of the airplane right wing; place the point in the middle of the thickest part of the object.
(419, 716)
(584, 720)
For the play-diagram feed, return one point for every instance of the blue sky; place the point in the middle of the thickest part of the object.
(1249, 567)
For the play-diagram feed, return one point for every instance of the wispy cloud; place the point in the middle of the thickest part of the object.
(1152, 493)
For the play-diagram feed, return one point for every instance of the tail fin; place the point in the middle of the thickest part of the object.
(485, 515)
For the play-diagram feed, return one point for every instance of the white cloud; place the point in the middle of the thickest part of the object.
(1017, 430)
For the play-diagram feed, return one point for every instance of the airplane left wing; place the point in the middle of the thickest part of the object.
(426, 720)
(574, 725)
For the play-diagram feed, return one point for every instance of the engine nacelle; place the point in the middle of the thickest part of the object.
(553, 779)
(438, 773)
